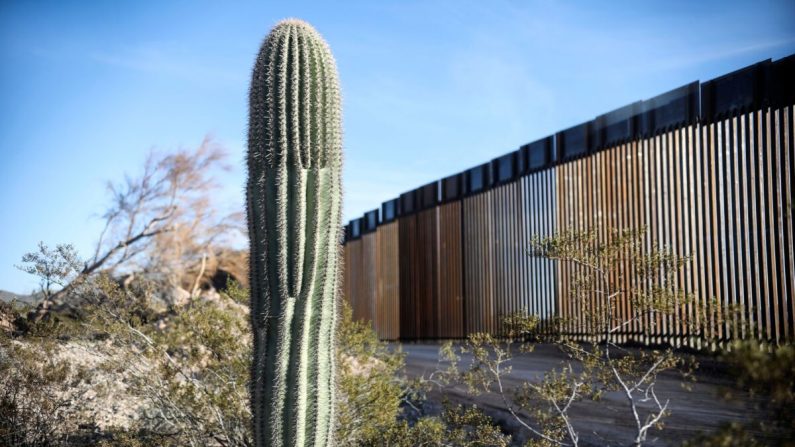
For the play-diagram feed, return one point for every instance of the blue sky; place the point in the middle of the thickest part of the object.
(430, 87)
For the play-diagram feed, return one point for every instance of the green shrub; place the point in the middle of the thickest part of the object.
(761, 370)
(190, 367)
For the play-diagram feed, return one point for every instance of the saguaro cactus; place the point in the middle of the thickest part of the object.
(294, 201)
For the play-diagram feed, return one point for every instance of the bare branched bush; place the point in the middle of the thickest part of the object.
(604, 276)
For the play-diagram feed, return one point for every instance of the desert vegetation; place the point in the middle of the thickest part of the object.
(168, 333)
(157, 350)
(153, 345)
(607, 273)
(123, 374)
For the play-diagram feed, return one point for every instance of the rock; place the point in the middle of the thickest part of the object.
(113, 406)
(7, 318)
(179, 296)
(211, 295)
(170, 296)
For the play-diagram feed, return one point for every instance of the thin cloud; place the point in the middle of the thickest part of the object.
(156, 60)
(713, 55)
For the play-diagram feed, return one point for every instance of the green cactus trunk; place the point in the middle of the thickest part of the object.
(294, 209)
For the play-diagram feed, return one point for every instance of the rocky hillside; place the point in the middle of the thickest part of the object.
(10, 297)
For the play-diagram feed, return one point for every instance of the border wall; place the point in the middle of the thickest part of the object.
(708, 168)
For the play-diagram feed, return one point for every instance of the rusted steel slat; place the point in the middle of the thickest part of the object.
(770, 233)
(676, 229)
(744, 235)
(700, 228)
(768, 286)
(665, 171)
(550, 226)
(407, 261)
(712, 231)
(347, 272)
(388, 293)
(560, 219)
(753, 158)
(499, 242)
(778, 227)
(639, 221)
(648, 187)
(687, 205)
(788, 199)
(478, 263)
(736, 216)
(451, 288)
(426, 303)
(356, 280)
(625, 280)
(368, 284)
(507, 252)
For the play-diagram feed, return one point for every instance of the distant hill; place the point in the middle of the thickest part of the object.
(10, 296)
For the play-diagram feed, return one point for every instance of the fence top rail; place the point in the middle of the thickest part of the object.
(764, 84)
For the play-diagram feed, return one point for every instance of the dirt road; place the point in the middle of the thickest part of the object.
(610, 421)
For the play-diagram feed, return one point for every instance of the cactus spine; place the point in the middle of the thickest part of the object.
(294, 209)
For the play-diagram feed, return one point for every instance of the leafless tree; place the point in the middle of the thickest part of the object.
(160, 222)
